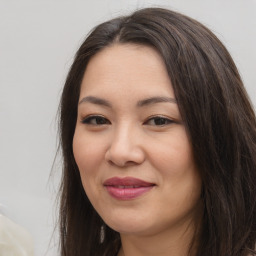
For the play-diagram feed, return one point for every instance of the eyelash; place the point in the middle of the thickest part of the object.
(163, 121)
(98, 120)
(88, 120)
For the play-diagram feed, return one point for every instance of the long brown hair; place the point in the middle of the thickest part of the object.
(220, 123)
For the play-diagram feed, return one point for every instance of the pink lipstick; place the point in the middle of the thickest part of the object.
(127, 188)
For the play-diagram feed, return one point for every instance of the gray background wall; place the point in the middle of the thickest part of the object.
(37, 42)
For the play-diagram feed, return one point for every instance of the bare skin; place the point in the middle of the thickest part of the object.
(129, 125)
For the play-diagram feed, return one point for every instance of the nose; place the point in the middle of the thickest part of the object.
(125, 148)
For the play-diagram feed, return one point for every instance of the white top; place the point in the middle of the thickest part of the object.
(14, 239)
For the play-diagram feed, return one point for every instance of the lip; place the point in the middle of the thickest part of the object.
(127, 188)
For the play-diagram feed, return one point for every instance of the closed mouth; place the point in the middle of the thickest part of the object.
(127, 188)
(127, 182)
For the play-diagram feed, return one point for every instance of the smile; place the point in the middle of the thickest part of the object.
(127, 188)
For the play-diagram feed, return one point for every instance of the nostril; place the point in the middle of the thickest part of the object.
(121, 161)
(124, 153)
(122, 164)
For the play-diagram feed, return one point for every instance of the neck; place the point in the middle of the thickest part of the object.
(178, 241)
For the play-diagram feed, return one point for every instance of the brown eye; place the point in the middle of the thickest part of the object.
(159, 121)
(95, 120)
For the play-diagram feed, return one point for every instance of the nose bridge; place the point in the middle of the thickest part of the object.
(125, 147)
(124, 137)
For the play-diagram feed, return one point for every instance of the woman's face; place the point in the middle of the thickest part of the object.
(130, 144)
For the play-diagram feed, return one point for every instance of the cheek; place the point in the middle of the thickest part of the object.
(173, 155)
(87, 151)
(174, 161)
(88, 155)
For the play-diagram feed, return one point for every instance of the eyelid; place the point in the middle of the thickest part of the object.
(168, 119)
(86, 120)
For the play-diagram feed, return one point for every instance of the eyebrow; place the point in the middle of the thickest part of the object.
(95, 100)
(153, 100)
(141, 103)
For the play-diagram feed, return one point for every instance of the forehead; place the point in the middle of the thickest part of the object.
(126, 68)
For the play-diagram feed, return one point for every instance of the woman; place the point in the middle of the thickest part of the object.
(159, 141)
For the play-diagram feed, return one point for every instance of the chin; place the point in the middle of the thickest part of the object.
(130, 226)
(124, 226)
